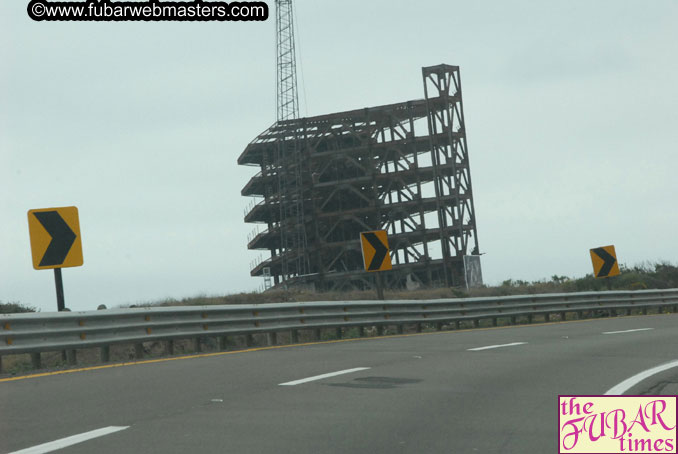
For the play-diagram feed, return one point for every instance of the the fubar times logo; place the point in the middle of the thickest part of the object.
(617, 424)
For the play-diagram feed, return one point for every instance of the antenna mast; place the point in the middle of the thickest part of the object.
(288, 162)
(287, 101)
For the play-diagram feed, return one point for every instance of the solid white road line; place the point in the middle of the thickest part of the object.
(69, 441)
(624, 386)
(477, 349)
(320, 377)
(627, 331)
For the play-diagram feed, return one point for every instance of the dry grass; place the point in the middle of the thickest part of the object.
(659, 275)
(284, 296)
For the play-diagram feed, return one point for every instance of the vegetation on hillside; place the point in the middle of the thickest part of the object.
(639, 277)
(14, 308)
(645, 276)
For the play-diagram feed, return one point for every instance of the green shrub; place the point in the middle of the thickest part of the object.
(14, 308)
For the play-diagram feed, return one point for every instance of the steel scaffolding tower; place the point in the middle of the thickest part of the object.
(402, 167)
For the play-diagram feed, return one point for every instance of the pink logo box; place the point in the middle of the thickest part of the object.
(617, 424)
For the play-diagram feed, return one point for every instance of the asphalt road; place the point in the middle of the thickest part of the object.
(417, 394)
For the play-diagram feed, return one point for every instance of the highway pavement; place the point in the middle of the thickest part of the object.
(484, 390)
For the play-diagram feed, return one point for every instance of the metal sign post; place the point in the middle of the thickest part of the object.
(61, 305)
(380, 286)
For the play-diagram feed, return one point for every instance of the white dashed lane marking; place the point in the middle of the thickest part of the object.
(70, 441)
(320, 377)
(628, 331)
(496, 346)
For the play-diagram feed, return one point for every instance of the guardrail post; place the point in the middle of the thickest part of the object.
(272, 338)
(380, 330)
(223, 343)
(294, 336)
(317, 334)
(645, 311)
(0, 364)
(417, 327)
(562, 316)
(494, 321)
(361, 331)
(529, 318)
(249, 340)
(457, 324)
(35, 360)
(169, 347)
(547, 317)
(439, 326)
(339, 333)
(476, 323)
(401, 329)
(197, 345)
(138, 351)
(105, 353)
(513, 320)
(72, 357)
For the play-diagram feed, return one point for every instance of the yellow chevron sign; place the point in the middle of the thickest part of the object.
(55, 237)
(604, 261)
(376, 255)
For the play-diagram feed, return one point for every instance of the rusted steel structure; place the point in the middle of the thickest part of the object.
(402, 167)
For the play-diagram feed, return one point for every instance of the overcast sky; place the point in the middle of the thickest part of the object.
(571, 111)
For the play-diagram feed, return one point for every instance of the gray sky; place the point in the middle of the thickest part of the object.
(571, 111)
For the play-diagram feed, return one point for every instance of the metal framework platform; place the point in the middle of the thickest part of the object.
(402, 167)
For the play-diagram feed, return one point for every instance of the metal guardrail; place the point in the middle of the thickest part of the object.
(42, 332)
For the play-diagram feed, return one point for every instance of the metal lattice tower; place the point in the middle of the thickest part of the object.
(287, 160)
(287, 100)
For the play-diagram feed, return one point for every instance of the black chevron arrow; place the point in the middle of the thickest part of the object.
(608, 261)
(62, 237)
(380, 251)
